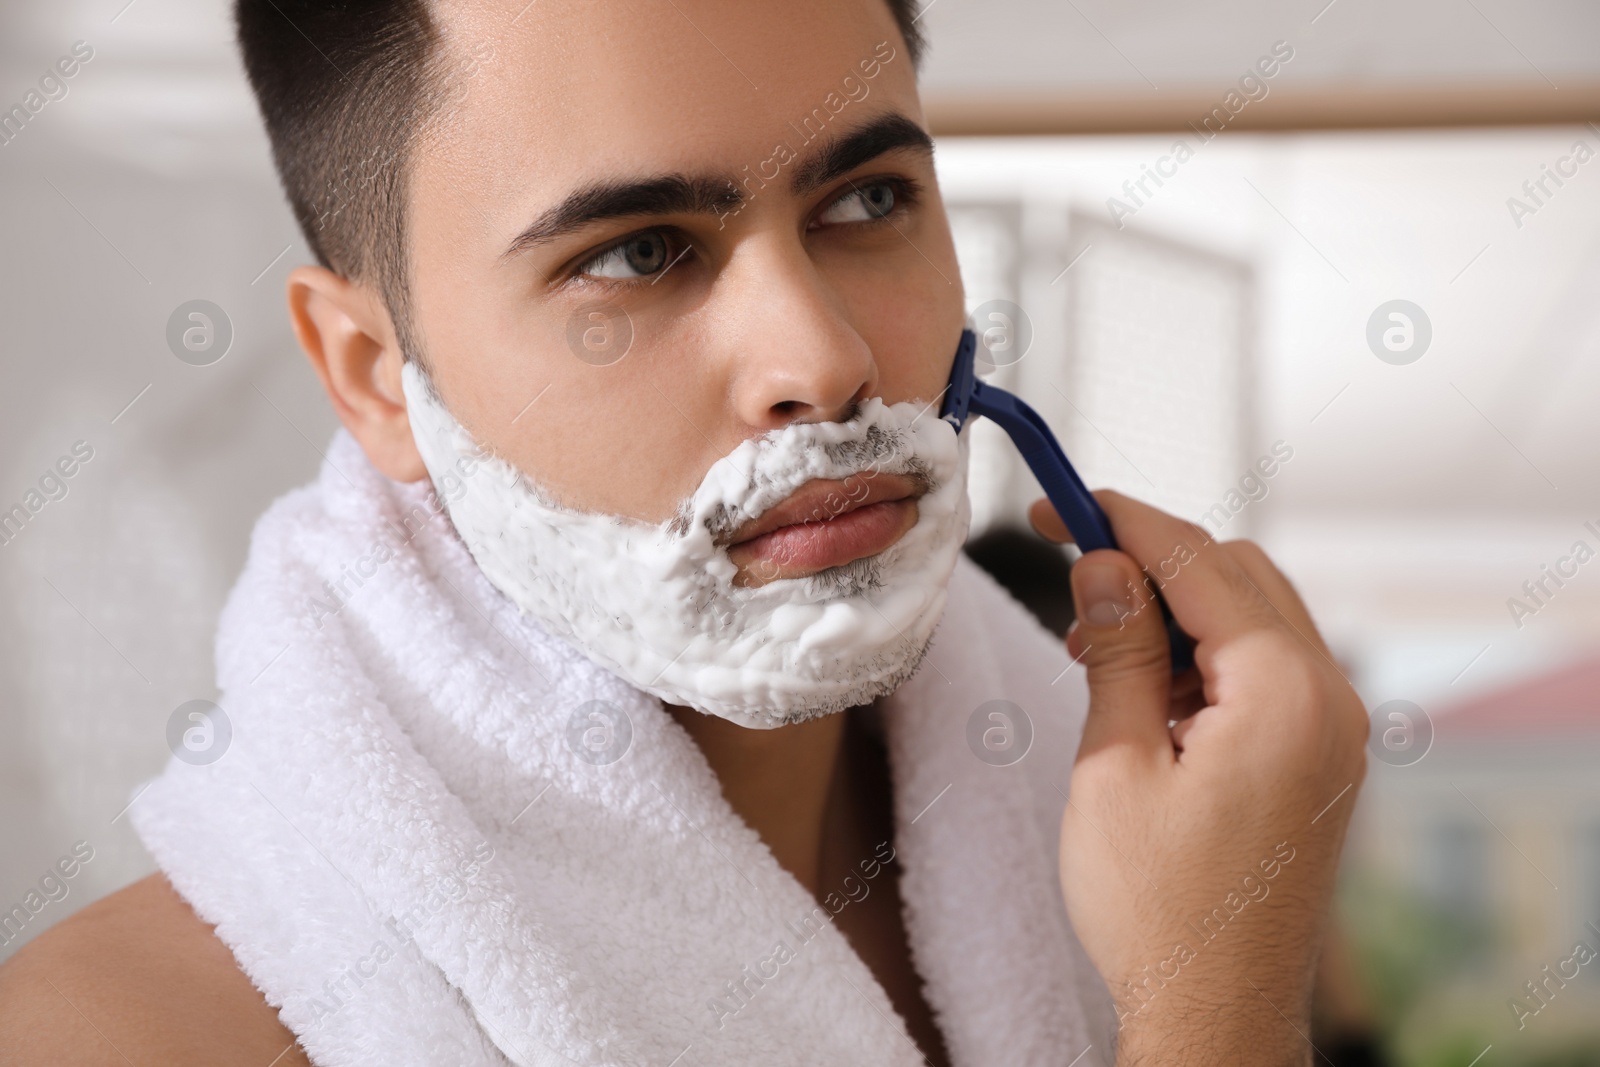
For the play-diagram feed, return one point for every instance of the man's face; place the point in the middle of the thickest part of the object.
(780, 280)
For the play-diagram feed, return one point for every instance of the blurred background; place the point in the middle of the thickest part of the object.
(1347, 308)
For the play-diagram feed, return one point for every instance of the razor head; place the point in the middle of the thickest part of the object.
(965, 397)
(963, 376)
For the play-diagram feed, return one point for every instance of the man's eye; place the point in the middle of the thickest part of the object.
(866, 203)
(638, 256)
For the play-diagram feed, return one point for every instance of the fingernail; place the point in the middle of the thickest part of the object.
(1104, 593)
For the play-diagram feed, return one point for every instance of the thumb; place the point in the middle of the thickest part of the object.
(1125, 653)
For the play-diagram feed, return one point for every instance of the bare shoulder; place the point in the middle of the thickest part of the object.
(136, 977)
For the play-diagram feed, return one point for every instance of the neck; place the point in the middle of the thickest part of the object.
(779, 781)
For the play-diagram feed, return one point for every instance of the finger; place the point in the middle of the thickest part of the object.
(1262, 573)
(1074, 642)
(1187, 696)
(1188, 693)
(1124, 651)
(1206, 588)
(1180, 732)
(1265, 576)
(1047, 524)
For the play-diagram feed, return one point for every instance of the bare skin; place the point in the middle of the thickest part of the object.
(806, 300)
(1256, 781)
(820, 802)
(136, 976)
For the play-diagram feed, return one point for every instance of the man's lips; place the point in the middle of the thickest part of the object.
(825, 523)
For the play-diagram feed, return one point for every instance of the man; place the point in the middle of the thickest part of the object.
(744, 195)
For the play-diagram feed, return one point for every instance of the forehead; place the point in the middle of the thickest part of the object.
(540, 97)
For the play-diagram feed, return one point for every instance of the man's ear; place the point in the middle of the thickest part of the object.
(350, 340)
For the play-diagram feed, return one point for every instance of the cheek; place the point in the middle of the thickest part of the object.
(610, 442)
(927, 315)
(596, 435)
(910, 309)
(914, 359)
(534, 381)
(574, 398)
(634, 445)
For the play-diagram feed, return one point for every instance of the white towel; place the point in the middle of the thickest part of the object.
(413, 851)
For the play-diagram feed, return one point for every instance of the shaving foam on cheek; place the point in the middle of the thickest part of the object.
(656, 604)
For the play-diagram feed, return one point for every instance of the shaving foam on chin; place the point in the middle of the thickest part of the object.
(656, 604)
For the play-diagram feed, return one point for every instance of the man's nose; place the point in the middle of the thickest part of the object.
(797, 357)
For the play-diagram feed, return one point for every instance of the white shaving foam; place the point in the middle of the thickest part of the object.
(656, 604)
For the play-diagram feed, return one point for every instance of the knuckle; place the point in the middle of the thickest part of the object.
(1299, 673)
(1247, 550)
(1306, 668)
(1193, 533)
(1100, 779)
(1094, 775)
(1252, 600)
(1111, 659)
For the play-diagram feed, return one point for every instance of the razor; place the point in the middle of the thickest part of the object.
(966, 397)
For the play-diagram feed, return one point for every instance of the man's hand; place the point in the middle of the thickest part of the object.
(1198, 859)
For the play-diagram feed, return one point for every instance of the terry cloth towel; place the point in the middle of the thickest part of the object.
(439, 835)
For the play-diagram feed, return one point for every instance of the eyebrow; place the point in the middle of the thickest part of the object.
(840, 156)
(668, 194)
(716, 194)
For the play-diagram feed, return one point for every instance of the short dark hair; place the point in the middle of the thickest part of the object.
(343, 88)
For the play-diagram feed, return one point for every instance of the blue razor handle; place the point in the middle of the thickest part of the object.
(966, 396)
